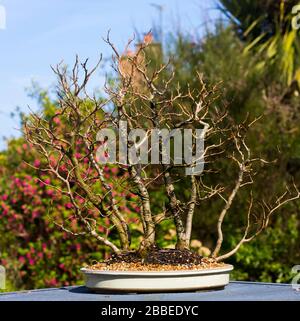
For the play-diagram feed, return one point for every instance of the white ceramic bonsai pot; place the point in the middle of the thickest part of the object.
(136, 281)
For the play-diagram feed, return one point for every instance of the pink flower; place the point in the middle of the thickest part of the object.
(17, 181)
(47, 181)
(63, 168)
(4, 197)
(136, 209)
(80, 199)
(114, 170)
(56, 120)
(100, 229)
(50, 192)
(68, 205)
(53, 282)
(37, 163)
(127, 210)
(35, 214)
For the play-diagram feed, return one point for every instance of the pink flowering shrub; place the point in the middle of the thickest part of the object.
(34, 250)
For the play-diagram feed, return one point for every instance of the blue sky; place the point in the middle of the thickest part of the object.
(40, 33)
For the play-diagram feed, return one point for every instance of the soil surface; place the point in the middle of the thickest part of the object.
(157, 260)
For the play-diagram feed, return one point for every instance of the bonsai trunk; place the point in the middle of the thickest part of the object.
(148, 223)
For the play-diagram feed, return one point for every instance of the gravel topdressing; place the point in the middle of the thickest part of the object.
(154, 267)
(157, 260)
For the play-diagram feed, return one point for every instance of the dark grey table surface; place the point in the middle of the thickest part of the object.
(235, 291)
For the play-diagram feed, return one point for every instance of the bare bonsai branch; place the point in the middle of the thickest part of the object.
(267, 211)
(145, 97)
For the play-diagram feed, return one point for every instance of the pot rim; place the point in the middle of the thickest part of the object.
(219, 270)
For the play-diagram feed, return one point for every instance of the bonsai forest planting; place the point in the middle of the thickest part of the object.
(144, 136)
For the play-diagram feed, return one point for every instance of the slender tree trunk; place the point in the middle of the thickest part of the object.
(149, 233)
(181, 243)
(191, 210)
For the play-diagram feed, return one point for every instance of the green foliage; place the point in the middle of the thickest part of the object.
(254, 17)
(267, 258)
(266, 26)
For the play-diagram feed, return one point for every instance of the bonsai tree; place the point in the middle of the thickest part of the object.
(145, 136)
